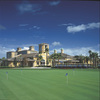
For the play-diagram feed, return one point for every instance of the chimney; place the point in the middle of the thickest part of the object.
(62, 51)
(31, 48)
(55, 51)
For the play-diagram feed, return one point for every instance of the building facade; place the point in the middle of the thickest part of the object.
(34, 58)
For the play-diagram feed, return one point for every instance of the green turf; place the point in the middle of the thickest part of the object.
(83, 84)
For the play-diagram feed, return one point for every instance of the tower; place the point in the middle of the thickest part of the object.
(55, 51)
(43, 47)
(19, 49)
(62, 51)
(31, 48)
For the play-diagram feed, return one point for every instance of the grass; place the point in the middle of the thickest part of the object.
(83, 84)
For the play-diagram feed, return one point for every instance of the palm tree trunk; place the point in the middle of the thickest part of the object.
(90, 61)
(54, 62)
(58, 61)
(93, 62)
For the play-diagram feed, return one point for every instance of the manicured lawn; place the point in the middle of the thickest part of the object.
(82, 84)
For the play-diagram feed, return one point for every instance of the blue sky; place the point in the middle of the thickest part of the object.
(71, 25)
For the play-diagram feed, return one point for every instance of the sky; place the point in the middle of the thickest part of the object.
(71, 25)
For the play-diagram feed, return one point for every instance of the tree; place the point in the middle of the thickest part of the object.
(15, 62)
(55, 56)
(87, 59)
(40, 58)
(46, 50)
(40, 52)
(90, 56)
(3, 58)
(95, 57)
(59, 56)
(80, 58)
(98, 61)
(20, 59)
(0, 61)
(25, 61)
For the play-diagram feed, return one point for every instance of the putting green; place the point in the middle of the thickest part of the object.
(80, 84)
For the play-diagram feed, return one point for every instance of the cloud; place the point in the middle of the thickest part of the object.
(54, 2)
(34, 27)
(82, 27)
(56, 43)
(23, 25)
(25, 48)
(27, 45)
(65, 24)
(76, 51)
(3, 51)
(28, 7)
(2, 27)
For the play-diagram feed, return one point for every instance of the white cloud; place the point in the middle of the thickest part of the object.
(76, 51)
(36, 27)
(82, 27)
(73, 29)
(65, 24)
(28, 7)
(25, 48)
(23, 25)
(3, 51)
(29, 45)
(56, 43)
(54, 3)
(2, 27)
(93, 25)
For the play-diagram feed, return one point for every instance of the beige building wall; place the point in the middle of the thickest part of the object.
(11, 54)
(43, 56)
(42, 47)
(11, 64)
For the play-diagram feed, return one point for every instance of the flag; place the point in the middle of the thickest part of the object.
(66, 74)
(73, 69)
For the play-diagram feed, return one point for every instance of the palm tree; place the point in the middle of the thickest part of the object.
(59, 56)
(47, 51)
(25, 61)
(15, 62)
(90, 56)
(40, 58)
(53, 56)
(95, 57)
(19, 60)
(87, 59)
(0, 61)
(81, 59)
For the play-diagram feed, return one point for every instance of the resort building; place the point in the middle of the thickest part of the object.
(34, 58)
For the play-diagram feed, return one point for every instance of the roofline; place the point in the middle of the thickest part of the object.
(11, 51)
